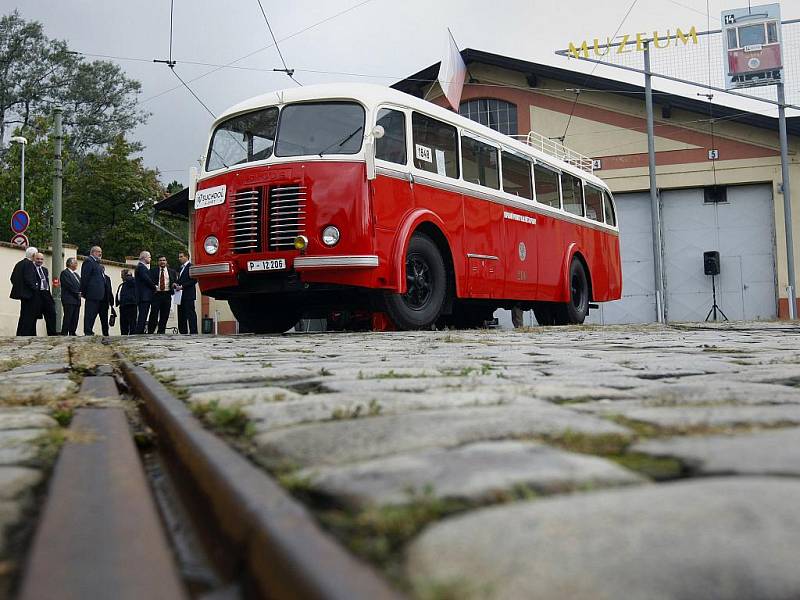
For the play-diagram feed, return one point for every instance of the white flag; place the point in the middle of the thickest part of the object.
(451, 72)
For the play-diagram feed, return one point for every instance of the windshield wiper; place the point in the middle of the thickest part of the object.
(343, 142)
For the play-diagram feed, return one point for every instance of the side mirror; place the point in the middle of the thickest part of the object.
(378, 132)
(193, 177)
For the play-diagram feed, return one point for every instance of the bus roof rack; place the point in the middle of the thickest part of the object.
(557, 150)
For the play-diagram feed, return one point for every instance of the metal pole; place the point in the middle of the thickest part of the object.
(22, 181)
(655, 210)
(58, 250)
(787, 201)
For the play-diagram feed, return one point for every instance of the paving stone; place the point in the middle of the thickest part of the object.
(245, 396)
(769, 452)
(25, 418)
(19, 446)
(721, 539)
(15, 481)
(712, 416)
(476, 472)
(38, 368)
(22, 388)
(360, 439)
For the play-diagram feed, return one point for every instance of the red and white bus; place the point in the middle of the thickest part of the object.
(343, 197)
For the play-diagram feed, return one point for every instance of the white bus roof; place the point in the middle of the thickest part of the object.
(373, 95)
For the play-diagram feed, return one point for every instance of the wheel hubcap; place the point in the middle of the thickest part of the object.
(418, 282)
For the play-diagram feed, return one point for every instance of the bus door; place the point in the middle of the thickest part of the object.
(483, 219)
(392, 197)
(519, 229)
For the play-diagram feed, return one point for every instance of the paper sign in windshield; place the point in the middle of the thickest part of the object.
(424, 153)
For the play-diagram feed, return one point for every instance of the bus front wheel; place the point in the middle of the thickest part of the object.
(426, 287)
(574, 311)
(260, 314)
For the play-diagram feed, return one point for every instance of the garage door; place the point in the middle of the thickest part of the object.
(742, 230)
(638, 302)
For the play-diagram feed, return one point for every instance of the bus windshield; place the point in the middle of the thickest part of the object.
(304, 129)
(320, 128)
(243, 138)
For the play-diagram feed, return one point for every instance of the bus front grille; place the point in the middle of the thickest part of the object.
(287, 215)
(244, 229)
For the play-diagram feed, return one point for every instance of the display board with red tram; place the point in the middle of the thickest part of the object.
(752, 41)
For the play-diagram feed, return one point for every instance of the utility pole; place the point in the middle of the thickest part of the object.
(58, 250)
(787, 202)
(655, 209)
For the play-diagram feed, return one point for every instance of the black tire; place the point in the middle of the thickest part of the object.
(263, 314)
(426, 287)
(575, 310)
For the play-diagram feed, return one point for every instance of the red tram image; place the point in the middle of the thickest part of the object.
(362, 198)
(754, 50)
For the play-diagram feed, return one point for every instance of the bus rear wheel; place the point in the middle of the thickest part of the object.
(260, 314)
(426, 287)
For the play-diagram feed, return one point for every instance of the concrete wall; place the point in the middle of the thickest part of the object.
(9, 309)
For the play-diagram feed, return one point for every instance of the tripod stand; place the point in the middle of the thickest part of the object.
(715, 307)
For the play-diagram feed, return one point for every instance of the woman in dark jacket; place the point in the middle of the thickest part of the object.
(127, 301)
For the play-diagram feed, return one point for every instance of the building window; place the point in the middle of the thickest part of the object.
(495, 114)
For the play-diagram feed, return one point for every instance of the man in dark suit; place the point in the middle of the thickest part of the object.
(165, 279)
(93, 288)
(145, 288)
(127, 301)
(187, 315)
(106, 305)
(25, 288)
(47, 306)
(70, 297)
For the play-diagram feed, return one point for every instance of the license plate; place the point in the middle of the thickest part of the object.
(274, 264)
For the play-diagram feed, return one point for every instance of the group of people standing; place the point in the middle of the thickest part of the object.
(144, 298)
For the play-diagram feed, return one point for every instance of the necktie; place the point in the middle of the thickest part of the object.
(42, 279)
(78, 277)
(163, 280)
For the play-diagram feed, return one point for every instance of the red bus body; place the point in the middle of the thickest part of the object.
(502, 250)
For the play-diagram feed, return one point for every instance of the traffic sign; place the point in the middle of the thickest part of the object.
(20, 221)
(20, 240)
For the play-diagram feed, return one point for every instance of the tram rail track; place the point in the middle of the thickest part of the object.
(259, 541)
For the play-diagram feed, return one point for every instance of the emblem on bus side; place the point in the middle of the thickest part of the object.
(523, 251)
(209, 197)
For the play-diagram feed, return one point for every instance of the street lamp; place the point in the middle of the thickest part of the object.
(22, 142)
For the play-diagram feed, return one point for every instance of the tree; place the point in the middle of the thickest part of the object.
(37, 73)
(109, 202)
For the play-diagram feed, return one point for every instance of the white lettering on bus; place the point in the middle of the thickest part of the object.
(521, 218)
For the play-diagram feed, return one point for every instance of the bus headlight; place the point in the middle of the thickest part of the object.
(330, 235)
(211, 244)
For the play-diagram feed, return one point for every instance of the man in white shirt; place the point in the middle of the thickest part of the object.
(48, 305)
(165, 279)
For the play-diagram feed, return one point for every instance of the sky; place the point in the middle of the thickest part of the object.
(374, 41)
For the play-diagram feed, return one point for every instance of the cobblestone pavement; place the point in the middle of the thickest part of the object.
(613, 462)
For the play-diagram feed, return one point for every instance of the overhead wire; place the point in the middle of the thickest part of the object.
(249, 54)
(286, 69)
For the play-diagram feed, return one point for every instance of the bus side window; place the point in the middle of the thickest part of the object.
(516, 176)
(611, 217)
(594, 203)
(479, 162)
(392, 146)
(572, 192)
(545, 183)
(435, 146)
